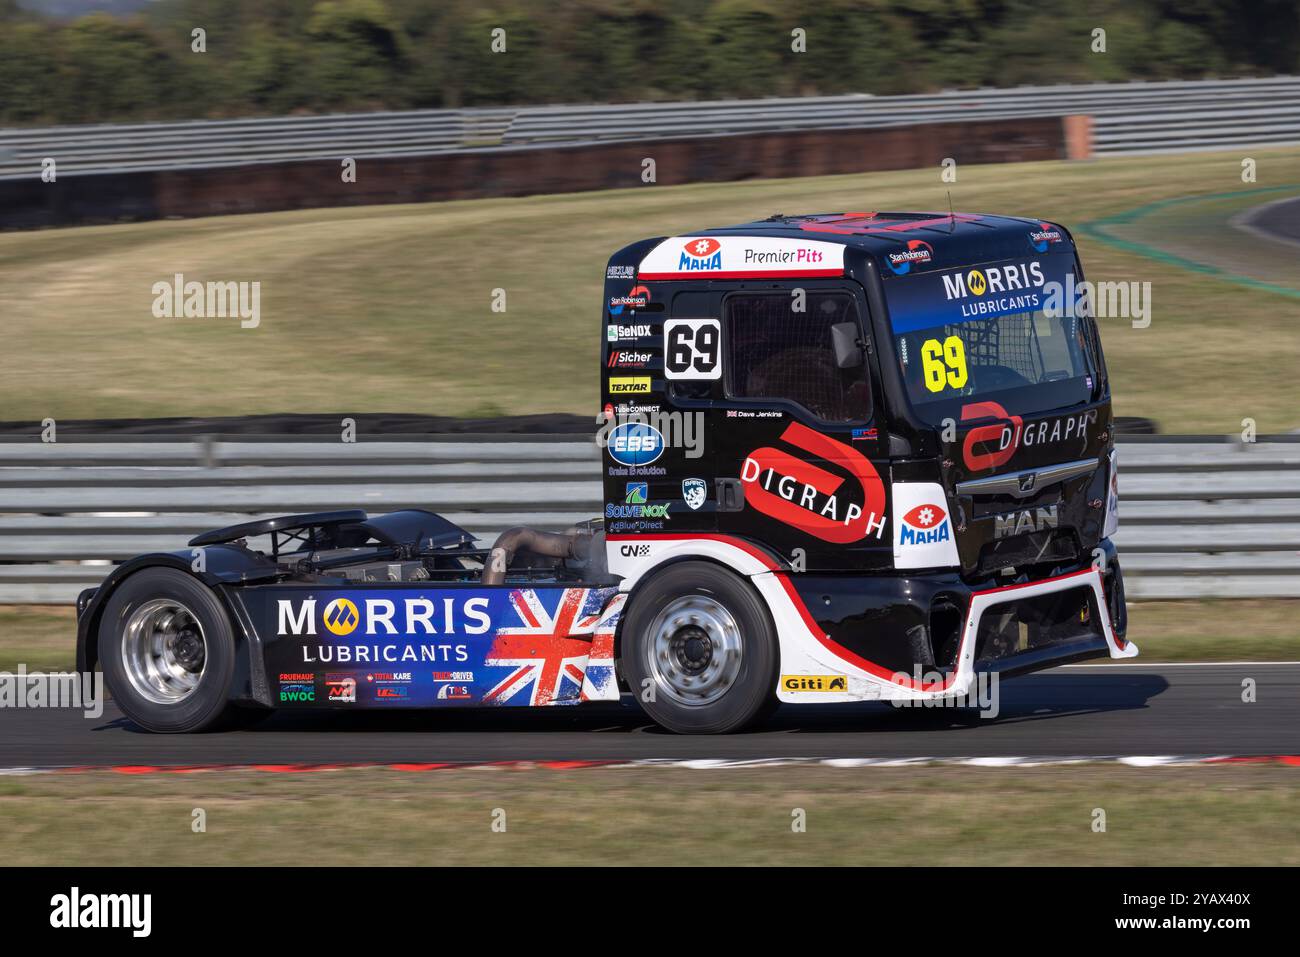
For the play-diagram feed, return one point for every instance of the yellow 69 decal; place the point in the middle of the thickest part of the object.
(944, 363)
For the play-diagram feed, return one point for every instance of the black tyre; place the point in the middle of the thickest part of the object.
(699, 650)
(168, 652)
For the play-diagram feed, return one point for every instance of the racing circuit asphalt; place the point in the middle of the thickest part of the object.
(1081, 710)
(1280, 220)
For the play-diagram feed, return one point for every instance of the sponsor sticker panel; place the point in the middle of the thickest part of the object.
(395, 647)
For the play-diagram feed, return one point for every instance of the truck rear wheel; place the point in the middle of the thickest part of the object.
(699, 650)
(168, 652)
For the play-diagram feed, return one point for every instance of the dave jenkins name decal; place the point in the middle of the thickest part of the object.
(835, 508)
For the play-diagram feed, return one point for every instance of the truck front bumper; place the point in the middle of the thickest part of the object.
(1007, 629)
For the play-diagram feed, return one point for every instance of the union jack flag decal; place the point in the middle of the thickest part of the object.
(547, 650)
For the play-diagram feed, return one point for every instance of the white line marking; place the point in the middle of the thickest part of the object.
(1138, 663)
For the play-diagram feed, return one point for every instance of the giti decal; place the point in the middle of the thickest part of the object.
(625, 385)
(828, 683)
(835, 508)
(994, 445)
(918, 252)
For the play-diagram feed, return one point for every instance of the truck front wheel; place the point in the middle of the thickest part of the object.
(699, 650)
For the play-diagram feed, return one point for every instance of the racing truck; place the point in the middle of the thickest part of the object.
(845, 457)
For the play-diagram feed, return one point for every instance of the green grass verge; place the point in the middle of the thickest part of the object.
(44, 637)
(389, 308)
(1165, 816)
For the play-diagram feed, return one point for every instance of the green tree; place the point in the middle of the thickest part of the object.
(112, 69)
(357, 53)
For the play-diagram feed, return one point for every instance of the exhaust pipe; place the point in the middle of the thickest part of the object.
(572, 543)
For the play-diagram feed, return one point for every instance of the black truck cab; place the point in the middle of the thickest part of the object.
(896, 428)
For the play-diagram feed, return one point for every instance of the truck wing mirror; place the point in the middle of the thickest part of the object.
(847, 345)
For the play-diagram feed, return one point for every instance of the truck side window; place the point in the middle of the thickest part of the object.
(774, 352)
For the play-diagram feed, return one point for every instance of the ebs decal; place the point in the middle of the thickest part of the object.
(635, 443)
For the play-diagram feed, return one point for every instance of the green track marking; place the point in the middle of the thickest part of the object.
(1097, 229)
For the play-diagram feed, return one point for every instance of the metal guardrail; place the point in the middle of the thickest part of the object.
(1128, 118)
(1198, 518)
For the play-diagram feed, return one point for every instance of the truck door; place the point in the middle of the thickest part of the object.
(794, 431)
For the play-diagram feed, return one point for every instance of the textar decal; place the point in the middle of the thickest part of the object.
(794, 491)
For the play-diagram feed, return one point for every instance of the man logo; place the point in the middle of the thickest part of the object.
(341, 617)
(976, 283)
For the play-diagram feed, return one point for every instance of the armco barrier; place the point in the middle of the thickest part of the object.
(1199, 518)
(479, 173)
(113, 171)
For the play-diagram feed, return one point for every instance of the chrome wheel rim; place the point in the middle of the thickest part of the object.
(164, 651)
(695, 650)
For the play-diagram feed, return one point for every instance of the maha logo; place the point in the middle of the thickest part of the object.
(925, 525)
(701, 254)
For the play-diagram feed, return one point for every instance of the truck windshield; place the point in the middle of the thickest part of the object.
(995, 332)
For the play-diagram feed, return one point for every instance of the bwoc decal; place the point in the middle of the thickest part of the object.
(810, 498)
